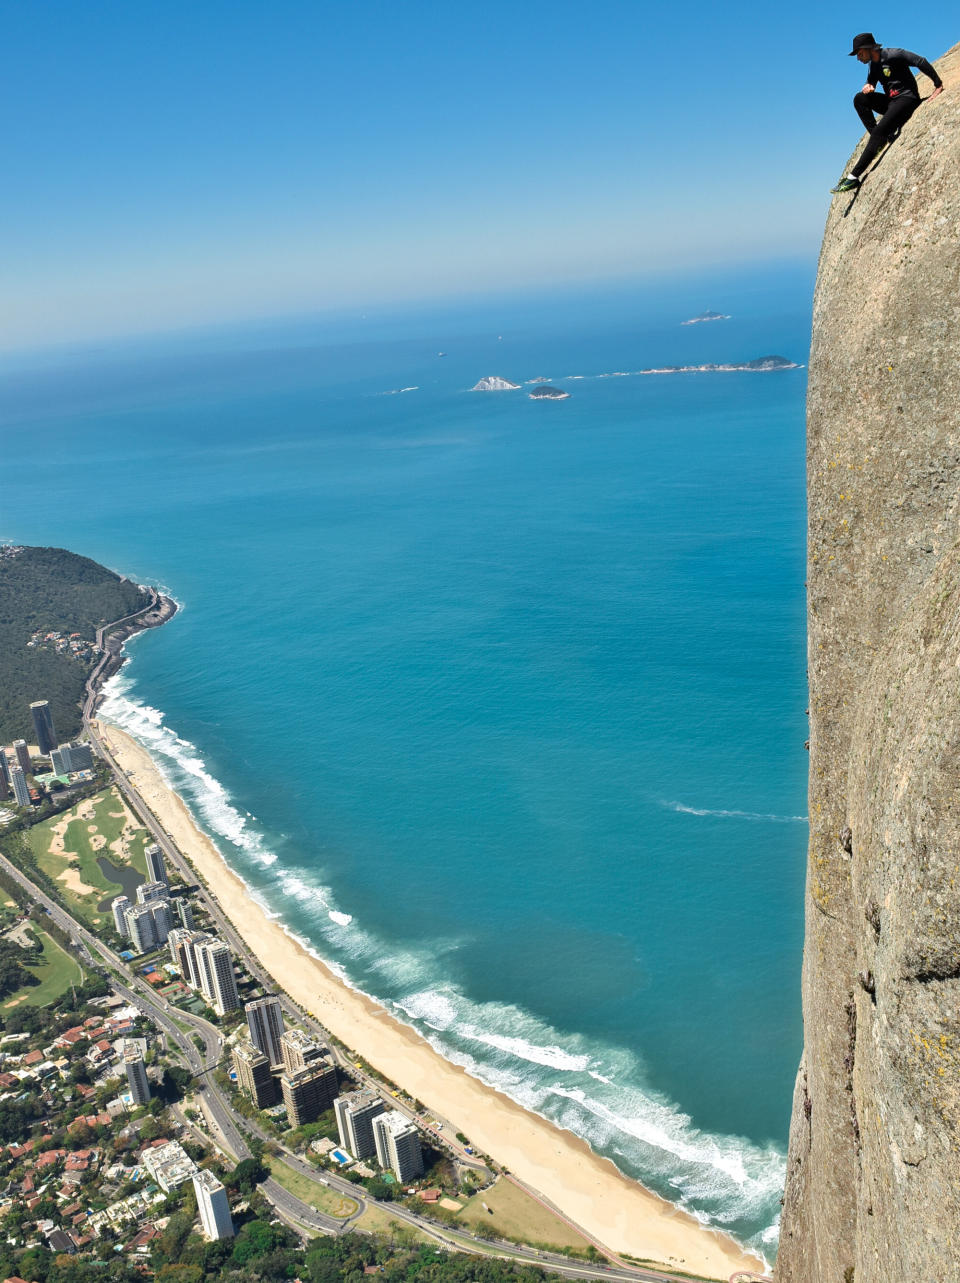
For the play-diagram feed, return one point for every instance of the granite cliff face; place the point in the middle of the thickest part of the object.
(873, 1180)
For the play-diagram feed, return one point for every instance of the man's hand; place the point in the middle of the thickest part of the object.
(867, 89)
(937, 92)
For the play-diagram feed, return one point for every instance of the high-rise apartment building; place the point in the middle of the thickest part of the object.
(185, 912)
(265, 1019)
(213, 1205)
(4, 779)
(253, 1075)
(22, 754)
(398, 1145)
(141, 928)
(152, 890)
(162, 918)
(81, 756)
(355, 1114)
(119, 907)
(21, 790)
(189, 962)
(156, 869)
(217, 981)
(4, 766)
(297, 1050)
(308, 1092)
(43, 725)
(61, 760)
(136, 1074)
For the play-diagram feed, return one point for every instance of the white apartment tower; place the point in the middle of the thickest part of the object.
(217, 981)
(213, 1206)
(265, 1018)
(156, 869)
(119, 907)
(141, 927)
(152, 890)
(136, 1074)
(162, 920)
(398, 1145)
(355, 1114)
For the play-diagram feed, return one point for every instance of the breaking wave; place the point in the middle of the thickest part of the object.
(599, 1092)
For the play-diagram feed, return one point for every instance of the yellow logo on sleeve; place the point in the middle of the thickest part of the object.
(886, 71)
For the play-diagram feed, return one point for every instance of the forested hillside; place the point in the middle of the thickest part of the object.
(50, 589)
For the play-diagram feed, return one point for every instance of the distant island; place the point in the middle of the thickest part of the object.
(547, 393)
(760, 364)
(706, 316)
(493, 383)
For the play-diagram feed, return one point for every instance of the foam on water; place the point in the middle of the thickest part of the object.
(600, 1093)
(734, 815)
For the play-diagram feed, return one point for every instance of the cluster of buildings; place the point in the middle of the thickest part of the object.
(70, 1181)
(205, 962)
(148, 922)
(74, 644)
(171, 1166)
(16, 765)
(287, 1064)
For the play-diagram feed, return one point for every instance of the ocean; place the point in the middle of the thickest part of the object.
(499, 704)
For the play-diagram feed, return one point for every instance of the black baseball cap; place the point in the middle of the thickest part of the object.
(865, 40)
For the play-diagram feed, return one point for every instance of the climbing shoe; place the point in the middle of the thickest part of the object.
(846, 185)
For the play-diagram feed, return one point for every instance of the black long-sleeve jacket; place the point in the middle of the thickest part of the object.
(893, 72)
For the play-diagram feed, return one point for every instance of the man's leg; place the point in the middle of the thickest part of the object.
(898, 112)
(866, 105)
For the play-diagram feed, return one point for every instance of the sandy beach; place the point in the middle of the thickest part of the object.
(587, 1188)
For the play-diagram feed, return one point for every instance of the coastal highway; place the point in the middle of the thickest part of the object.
(222, 1114)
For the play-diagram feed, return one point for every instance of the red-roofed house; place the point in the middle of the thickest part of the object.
(7, 1081)
(32, 1058)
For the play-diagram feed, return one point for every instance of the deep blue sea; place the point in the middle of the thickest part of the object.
(500, 704)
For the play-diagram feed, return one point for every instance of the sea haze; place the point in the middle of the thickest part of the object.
(497, 703)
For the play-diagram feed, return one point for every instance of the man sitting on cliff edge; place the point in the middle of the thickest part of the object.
(894, 107)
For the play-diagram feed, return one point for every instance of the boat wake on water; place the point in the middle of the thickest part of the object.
(600, 1092)
(734, 815)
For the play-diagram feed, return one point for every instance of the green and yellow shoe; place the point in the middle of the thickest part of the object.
(846, 185)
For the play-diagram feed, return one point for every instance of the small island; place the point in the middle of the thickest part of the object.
(544, 392)
(760, 364)
(493, 383)
(706, 316)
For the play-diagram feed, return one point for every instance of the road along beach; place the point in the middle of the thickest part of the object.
(588, 1189)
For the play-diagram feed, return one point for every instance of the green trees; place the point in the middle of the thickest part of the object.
(53, 590)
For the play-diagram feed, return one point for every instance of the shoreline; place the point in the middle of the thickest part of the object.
(617, 1211)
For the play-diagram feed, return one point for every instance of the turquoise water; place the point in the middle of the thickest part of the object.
(497, 703)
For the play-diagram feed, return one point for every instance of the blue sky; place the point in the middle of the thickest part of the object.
(170, 164)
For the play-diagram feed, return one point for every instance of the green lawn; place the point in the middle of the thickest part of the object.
(80, 880)
(56, 971)
(312, 1192)
(514, 1214)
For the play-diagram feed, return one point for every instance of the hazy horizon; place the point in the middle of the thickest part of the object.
(172, 167)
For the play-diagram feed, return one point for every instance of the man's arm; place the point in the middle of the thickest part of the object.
(921, 64)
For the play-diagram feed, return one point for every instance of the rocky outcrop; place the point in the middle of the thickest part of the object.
(493, 383)
(873, 1180)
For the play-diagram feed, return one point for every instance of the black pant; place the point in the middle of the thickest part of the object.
(893, 113)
